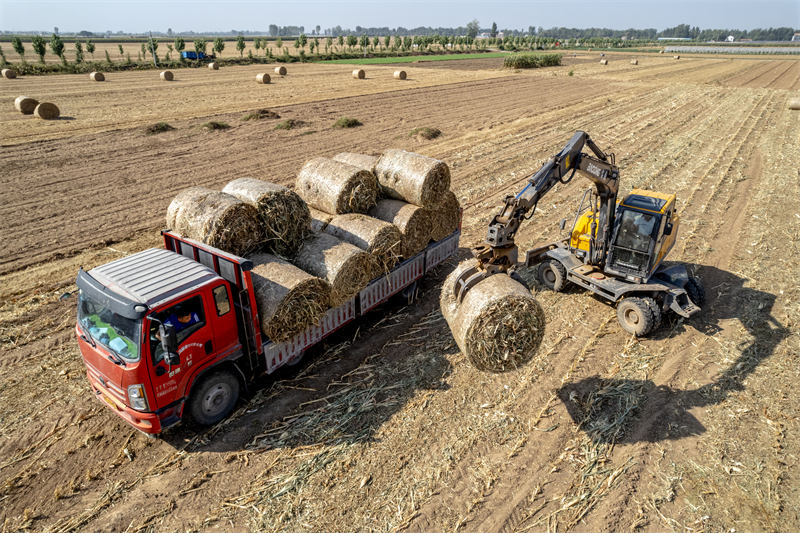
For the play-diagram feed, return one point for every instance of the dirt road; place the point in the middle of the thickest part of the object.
(387, 426)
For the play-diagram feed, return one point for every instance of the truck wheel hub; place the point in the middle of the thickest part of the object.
(216, 399)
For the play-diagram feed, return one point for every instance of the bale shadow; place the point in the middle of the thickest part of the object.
(607, 409)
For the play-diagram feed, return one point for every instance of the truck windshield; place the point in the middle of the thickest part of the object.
(115, 332)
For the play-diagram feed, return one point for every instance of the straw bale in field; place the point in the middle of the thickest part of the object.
(213, 66)
(444, 219)
(319, 219)
(498, 325)
(289, 300)
(378, 238)
(400, 74)
(794, 103)
(604, 61)
(97, 76)
(336, 187)
(362, 161)
(634, 61)
(280, 70)
(347, 268)
(217, 219)
(25, 104)
(413, 178)
(284, 216)
(263, 78)
(414, 223)
(676, 57)
(166, 75)
(47, 111)
(359, 74)
(8, 73)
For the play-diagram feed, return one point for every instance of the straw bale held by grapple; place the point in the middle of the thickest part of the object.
(289, 300)
(413, 178)
(380, 239)
(284, 216)
(217, 219)
(414, 223)
(498, 325)
(362, 161)
(335, 187)
(347, 268)
(444, 219)
(25, 104)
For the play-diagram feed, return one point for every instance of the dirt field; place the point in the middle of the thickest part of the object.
(387, 427)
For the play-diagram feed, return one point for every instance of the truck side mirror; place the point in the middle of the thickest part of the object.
(668, 229)
(169, 343)
(562, 224)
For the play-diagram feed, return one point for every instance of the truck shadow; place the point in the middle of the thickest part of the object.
(346, 387)
(612, 410)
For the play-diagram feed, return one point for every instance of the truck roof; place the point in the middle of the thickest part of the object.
(153, 275)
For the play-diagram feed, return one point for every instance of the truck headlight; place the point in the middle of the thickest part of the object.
(137, 397)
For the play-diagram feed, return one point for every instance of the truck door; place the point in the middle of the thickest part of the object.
(190, 317)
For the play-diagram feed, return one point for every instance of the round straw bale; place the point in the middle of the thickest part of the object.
(444, 219)
(498, 325)
(8, 73)
(359, 74)
(319, 219)
(400, 74)
(414, 223)
(413, 178)
(166, 75)
(217, 219)
(97, 76)
(604, 61)
(363, 161)
(794, 103)
(284, 216)
(25, 104)
(47, 111)
(676, 57)
(289, 300)
(263, 78)
(336, 187)
(380, 239)
(280, 70)
(634, 61)
(213, 65)
(347, 268)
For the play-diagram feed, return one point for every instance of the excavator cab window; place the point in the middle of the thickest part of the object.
(632, 248)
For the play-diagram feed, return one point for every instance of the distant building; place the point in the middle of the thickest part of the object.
(730, 39)
(796, 37)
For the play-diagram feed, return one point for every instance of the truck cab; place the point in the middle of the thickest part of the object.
(124, 308)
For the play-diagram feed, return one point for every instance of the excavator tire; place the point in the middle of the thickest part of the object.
(697, 294)
(655, 310)
(635, 316)
(552, 275)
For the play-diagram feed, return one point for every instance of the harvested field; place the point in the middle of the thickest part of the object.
(692, 429)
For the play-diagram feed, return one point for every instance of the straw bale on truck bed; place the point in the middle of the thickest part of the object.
(335, 187)
(362, 161)
(217, 219)
(413, 178)
(319, 219)
(347, 268)
(413, 221)
(498, 325)
(289, 300)
(444, 219)
(284, 216)
(380, 239)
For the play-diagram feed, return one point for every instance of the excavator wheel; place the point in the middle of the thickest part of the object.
(655, 310)
(694, 288)
(552, 275)
(635, 316)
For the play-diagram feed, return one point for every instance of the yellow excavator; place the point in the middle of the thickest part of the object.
(615, 249)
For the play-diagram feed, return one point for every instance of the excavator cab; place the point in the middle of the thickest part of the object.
(644, 232)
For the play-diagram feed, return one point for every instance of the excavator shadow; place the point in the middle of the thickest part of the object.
(608, 409)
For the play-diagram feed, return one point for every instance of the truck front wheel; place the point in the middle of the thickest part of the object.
(214, 398)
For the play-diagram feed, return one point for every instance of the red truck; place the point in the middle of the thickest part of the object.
(168, 331)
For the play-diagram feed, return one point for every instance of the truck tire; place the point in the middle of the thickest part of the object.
(694, 288)
(552, 275)
(635, 316)
(214, 397)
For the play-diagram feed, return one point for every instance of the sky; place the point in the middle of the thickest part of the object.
(253, 15)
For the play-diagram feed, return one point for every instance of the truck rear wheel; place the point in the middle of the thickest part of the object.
(635, 316)
(552, 275)
(214, 398)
